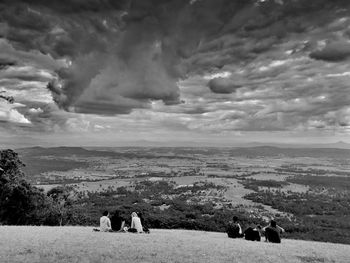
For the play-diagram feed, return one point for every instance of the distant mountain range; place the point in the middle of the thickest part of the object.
(172, 144)
(143, 143)
(336, 145)
(186, 152)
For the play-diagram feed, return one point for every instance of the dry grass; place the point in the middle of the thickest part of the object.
(80, 244)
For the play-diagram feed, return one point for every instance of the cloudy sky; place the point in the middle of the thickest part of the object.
(200, 72)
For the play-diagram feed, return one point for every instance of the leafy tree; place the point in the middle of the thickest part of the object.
(61, 203)
(20, 202)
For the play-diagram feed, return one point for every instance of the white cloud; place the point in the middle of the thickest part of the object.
(343, 74)
(35, 110)
(224, 74)
(77, 125)
(9, 114)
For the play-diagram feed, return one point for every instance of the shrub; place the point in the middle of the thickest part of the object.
(20, 202)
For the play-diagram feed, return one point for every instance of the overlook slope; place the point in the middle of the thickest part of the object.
(80, 244)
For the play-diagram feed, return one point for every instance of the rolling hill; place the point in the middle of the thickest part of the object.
(148, 152)
(80, 244)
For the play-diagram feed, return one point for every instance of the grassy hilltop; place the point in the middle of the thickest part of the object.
(80, 244)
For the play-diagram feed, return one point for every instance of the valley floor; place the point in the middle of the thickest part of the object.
(80, 244)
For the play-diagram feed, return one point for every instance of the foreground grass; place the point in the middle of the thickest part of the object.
(79, 244)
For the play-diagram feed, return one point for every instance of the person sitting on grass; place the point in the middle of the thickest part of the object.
(136, 226)
(105, 223)
(273, 232)
(252, 234)
(234, 229)
(144, 227)
(117, 222)
(260, 230)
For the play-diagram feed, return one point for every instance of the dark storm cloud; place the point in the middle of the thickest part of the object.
(131, 64)
(122, 106)
(223, 85)
(74, 6)
(123, 55)
(33, 58)
(334, 51)
(134, 52)
(5, 63)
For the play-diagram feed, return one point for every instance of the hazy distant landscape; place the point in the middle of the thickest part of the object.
(306, 189)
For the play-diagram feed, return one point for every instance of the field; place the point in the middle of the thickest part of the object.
(307, 190)
(80, 244)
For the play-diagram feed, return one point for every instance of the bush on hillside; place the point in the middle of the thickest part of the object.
(20, 202)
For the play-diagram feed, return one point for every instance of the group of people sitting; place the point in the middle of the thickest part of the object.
(272, 232)
(116, 223)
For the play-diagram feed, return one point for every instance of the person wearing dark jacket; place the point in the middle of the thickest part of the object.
(117, 222)
(252, 234)
(273, 232)
(234, 229)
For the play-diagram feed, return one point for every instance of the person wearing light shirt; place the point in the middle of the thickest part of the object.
(105, 222)
(136, 225)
